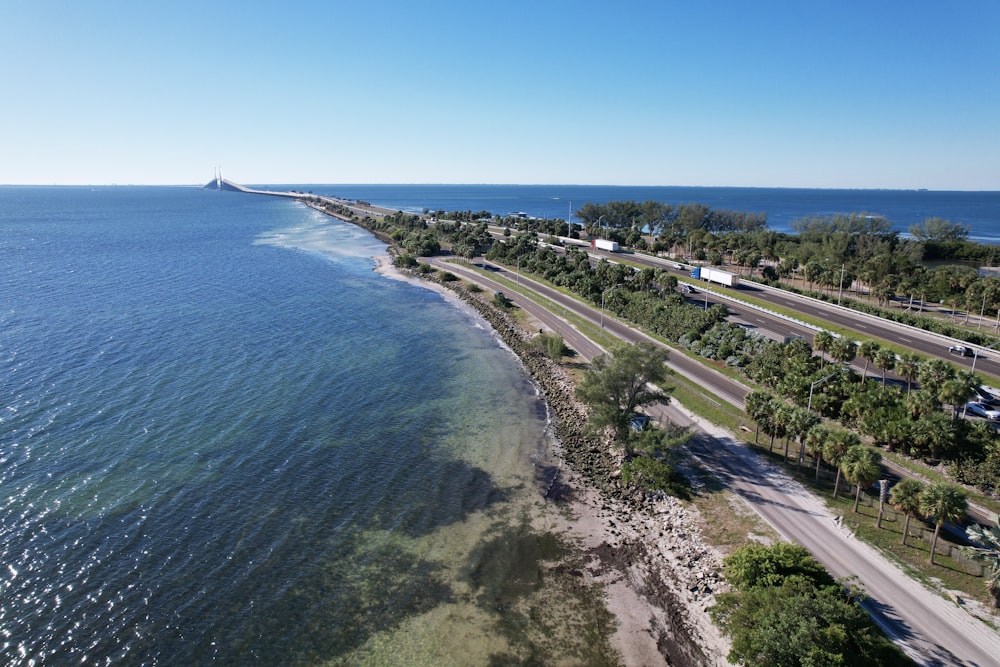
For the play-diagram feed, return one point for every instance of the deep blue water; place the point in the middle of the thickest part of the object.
(979, 210)
(225, 439)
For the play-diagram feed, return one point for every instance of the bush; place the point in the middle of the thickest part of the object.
(553, 345)
(788, 610)
(405, 261)
(649, 474)
(500, 300)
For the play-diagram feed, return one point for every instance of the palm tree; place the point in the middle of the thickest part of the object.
(815, 441)
(988, 553)
(812, 272)
(867, 349)
(780, 419)
(758, 406)
(822, 342)
(905, 498)
(861, 466)
(843, 350)
(946, 503)
(907, 366)
(891, 430)
(955, 392)
(932, 434)
(922, 403)
(885, 359)
(802, 420)
(933, 373)
(834, 450)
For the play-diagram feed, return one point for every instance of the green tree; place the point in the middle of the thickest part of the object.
(945, 503)
(938, 230)
(781, 418)
(843, 350)
(907, 366)
(885, 360)
(933, 373)
(867, 350)
(787, 611)
(797, 624)
(815, 441)
(822, 342)
(758, 406)
(905, 497)
(955, 392)
(768, 565)
(932, 435)
(861, 466)
(837, 445)
(988, 553)
(618, 383)
(801, 421)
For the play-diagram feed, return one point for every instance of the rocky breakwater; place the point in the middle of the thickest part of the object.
(649, 543)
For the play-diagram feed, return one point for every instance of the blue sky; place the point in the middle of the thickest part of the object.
(794, 94)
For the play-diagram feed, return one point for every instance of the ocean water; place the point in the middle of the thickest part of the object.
(225, 440)
(903, 208)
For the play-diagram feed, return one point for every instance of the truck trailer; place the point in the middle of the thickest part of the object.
(716, 276)
(604, 244)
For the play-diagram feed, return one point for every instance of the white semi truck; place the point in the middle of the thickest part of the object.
(716, 276)
(604, 244)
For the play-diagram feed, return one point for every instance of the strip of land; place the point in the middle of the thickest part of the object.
(932, 630)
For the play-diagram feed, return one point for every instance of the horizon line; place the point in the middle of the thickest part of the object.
(485, 184)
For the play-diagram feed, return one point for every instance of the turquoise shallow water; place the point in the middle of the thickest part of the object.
(225, 440)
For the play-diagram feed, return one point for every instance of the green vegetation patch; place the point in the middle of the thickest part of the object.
(786, 610)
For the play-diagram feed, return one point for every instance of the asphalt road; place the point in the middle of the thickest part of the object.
(932, 630)
(922, 342)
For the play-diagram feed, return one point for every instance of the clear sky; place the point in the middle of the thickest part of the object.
(881, 94)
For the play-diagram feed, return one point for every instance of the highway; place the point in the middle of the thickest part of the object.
(865, 326)
(931, 629)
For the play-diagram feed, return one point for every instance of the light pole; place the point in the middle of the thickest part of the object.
(819, 382)
(602, 304)
(840, 292)
(600, 225)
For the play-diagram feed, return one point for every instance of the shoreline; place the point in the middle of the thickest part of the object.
(646, 555)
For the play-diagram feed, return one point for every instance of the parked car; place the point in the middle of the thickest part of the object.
(960, 350)
(983, 410)
(638, 423)
(984, 395)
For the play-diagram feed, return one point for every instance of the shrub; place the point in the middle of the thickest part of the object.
(500, 300)
(553, 345)
(405, 261)
(649, 474)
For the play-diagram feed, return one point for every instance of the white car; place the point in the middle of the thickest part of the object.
(983, 410)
